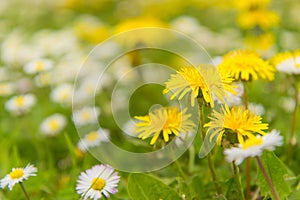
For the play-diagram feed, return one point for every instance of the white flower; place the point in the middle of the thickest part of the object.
(233, 99)
(287, 103)
(186, 24)
(254, 147)
(6, 89)
(20, 104)
(53, 124)
(17, 175)
(288, 62)
(98, 181)
(93, 139)
(129, 128)
(62, 94)
(86, 115)
(43, 79)
(38, 65)
(258, 109)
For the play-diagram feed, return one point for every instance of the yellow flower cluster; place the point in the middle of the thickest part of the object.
(257, 20)
(246, 65)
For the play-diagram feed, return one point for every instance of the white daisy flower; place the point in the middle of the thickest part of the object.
(254, 147)
(93, 139)
(17, 175)
(98, 181)
(287, 62)
(38, 65)
(258, 109)
(20, 104)
(53, 124)
(6, 89)
(43, 79)
(86, 115)
(62, 94)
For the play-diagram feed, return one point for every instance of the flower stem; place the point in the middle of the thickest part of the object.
(209, 159)
(191, 158)
(23, 188)
(268, 179)
(245, 95)
(237, 178)
(181, 171)
(293, 126)
(248, 160)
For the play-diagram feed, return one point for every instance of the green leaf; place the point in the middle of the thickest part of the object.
(277, 171)
(295, 195)
(71, 149)
(145, 187)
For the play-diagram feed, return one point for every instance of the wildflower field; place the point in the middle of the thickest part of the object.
(149, 100)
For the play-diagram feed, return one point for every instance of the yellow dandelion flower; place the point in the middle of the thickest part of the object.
(250, 4)
(246, 65)
(148, 36)
(265, 19)
(91, 30)
(200, 81)
(165, 120)
(141, 22)
(237, 120)
(287, 62)
(261, 42)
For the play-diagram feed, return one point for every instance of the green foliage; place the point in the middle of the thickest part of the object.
(146, 187)
(278, 173)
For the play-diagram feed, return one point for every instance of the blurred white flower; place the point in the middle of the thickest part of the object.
(86, 115)
(98, 181)
(287, 103)
(186, 24)
(66, 69)
(62, 94)
(287, 62)
(93, 139)
(15, 51)
(55, 43)
(21, 104)
(53, 124)
(258, 109)
(38, 65)
(43, 79)
(217, 60)
(129, 128)
(6, 89)
(254, 147)
(233, 99)
(18, 175)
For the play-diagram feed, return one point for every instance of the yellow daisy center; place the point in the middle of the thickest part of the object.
(39, 66)
(92, 136)
(98, 184)
(86, 115)
(17, 173)
(64, 95)
(53, 124)
(20, 101)
(252, 142)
